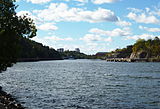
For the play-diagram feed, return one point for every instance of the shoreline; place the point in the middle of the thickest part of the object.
(107, 59)
(35, 59)
(7, 101)
(132, 60)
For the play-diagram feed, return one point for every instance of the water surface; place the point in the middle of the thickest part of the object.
(84, 84)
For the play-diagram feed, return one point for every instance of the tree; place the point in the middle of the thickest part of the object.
(156, 47)
(139, 45)
(31, 49)
(11, 28)
(150, 47)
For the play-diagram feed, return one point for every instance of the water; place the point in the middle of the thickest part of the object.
(84, 84)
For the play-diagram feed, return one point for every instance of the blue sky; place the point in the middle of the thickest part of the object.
(92, 25)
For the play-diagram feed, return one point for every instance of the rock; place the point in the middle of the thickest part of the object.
(2, 106)
(139, 55)
(8, 102)
(18, 105)
(133, 55)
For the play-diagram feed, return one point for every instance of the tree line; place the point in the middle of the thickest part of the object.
(15, 32)
(149, 49)
(76, 55)
(31, 49)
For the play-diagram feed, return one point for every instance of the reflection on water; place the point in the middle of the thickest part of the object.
(84, 84)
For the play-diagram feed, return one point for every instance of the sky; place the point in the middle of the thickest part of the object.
(92, 25)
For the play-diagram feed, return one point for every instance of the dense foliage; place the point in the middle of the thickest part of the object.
(120, 53)
(149, 48)
(33, 50)
(11, 28)
(8, 49)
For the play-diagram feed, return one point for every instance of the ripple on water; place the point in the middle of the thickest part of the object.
(84, 84)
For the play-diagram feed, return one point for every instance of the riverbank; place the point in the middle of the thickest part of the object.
(36, 59)
(132, 60)
(8, 102)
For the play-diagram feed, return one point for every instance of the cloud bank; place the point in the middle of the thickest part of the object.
(61, 12)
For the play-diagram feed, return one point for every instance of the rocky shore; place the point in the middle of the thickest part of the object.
(132, 60)
(8, 102)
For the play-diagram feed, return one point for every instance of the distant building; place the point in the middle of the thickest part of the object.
(77, 50)
(60, 50)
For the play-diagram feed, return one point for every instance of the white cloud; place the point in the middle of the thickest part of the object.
(143, 36)
(147, 9)
(96, 34)
(109, 39)
(115, 32)
(104, 1)
(95, 1)
(123, 23)
(94, 48)
(150, 29)
(47, 26)
(156, 12)
(147, 16)
(38, 1)
(91, 37)
(61, 12)
(54, 38)
(135, 10)
(83, 1)
(143, 18)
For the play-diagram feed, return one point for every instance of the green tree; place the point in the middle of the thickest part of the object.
(156, 47)
(11, 28)
(148, 45)
(139, 45)
(151, 47)
(31, 49)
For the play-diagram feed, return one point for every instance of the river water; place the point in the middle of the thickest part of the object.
(84, 84)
